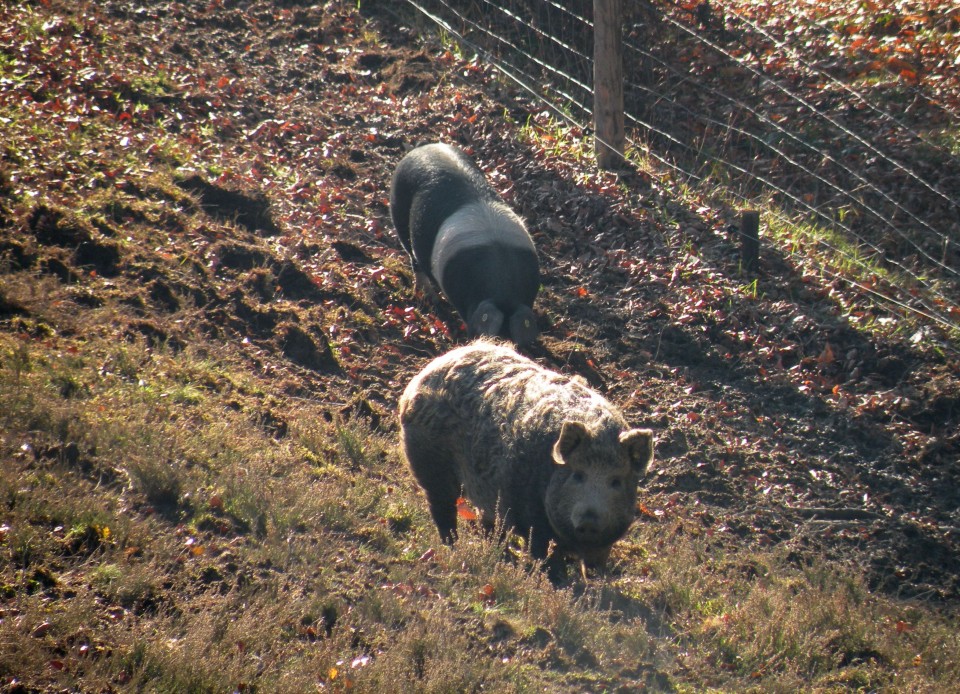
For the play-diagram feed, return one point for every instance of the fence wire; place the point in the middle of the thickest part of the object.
(697, 99)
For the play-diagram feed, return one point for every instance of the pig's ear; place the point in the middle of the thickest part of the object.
(572, 434)
(638, 443)
(487, 319)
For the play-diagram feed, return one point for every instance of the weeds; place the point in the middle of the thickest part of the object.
(376, 600)
(212, 517)
(19, 362)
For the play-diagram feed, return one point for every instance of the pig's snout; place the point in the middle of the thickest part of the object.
(586, 523)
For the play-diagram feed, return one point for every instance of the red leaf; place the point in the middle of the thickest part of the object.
(487, 594)
(647, 512)
(464, 511)
(909, 75)
(900, 65)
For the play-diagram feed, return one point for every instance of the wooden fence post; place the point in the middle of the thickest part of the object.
(608, 123)
(749, 240)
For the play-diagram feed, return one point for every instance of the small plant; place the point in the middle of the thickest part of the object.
(400, 518)
(186, 394)
(106, 575)
(124, 363)
(88, 535)
(153, 86)
(133, 586)
(450, 43)
(246, 501)
(157, 479)
(351, 444)
(357, 443)
(19, 361)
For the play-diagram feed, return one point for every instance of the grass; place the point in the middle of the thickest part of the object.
(765, 619)
(888, 288)
(892, 289)
(329, 563)
(230, 553)
(556, 137)
(162, 531)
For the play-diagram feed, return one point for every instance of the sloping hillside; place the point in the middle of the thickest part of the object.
(206, 323)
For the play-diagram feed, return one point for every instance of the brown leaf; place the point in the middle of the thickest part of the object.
(903, 627)
(826, 356)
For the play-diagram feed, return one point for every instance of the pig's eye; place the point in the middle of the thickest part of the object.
(616, 483)
(578, 477)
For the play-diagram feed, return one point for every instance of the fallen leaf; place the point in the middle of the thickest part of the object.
(464, 511)
(826, 356)
(642, 508)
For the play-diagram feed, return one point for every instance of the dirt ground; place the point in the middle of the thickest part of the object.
(781, 418)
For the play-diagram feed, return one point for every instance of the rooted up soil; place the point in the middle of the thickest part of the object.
(250, 144)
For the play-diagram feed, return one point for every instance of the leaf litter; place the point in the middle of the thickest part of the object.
(771, 406)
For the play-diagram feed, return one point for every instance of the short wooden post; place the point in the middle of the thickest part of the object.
(608, 121)
(750, 240)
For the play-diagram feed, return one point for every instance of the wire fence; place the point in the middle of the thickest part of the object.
(703, 95)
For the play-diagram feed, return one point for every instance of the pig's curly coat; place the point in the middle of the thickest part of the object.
(550, 454)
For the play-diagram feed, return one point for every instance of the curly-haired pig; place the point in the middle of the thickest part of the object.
(553, 457)
(466, 240)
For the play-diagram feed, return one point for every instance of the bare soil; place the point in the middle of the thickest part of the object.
(780, 418)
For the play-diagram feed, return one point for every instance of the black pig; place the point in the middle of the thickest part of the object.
(465, 239)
